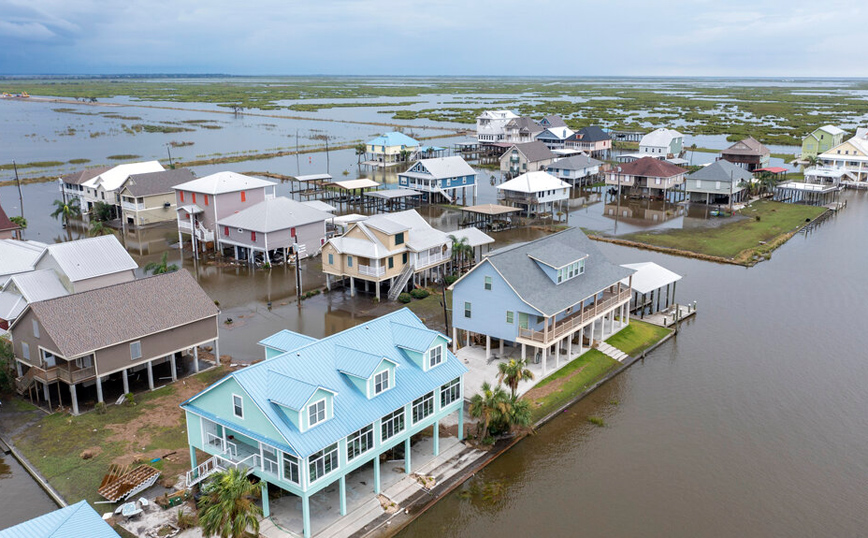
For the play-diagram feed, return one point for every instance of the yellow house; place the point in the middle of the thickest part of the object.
(149, 198)
(389, 148)
(851, 156)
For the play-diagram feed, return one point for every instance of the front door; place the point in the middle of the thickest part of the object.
(522, 320)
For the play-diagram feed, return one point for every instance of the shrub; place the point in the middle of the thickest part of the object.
(185, 520)
(597, 421)
(129, 399)
(419, 293)
(450, 279)
(100, 408)
(405, 298)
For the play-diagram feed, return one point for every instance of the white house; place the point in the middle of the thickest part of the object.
(106, 187)
(666, 142)
(491, 125)
(534, 192)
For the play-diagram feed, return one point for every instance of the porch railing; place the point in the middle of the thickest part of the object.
(372, 270)
(576, 320)
(76, 376)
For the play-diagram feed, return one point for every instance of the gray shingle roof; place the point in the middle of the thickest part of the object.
(555, 121)
(533, 286)
(77, 178)
(576, 162)
(535, 151)
(721, 170)
(83, 322)
(592, 133)
(158, 182)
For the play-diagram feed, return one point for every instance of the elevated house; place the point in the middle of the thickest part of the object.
(749, 154)
(662, 143)
(150, 198)
(491, 126)
(77, 341)
(529, 157)
(106, 186)
(392, 148)
(535, 193)
(202, 202)
(72, 185)
(75, 520)
(555, 137)
(552, 121)
(440, 179)
(548, 294)
(592, 140)
(305, 419)
(576, 170)
(646, 177)
(275, 229)
(849, 156)
(522, 130)
(821, 140)
(87, 264)
(8, 229)
(721, 182)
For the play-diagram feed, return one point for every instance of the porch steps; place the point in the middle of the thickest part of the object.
(401, 281)
(203, 471)
(23, 383)
(612, 352)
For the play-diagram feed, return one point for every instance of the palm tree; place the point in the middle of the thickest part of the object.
(490, 405)
(519, 414)
(228, 506)
(814, 160)
(66, 209)
(461, 249)
(361, 149)
(97, 228)
(21, 222)
(512, 373)
(163, 266)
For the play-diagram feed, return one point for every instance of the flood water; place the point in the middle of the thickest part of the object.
(20, 498)
(752, 422)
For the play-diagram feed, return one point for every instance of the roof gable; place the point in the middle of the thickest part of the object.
(223, 182)
(533, 151)
(6, 224)
(92, 257)
(394, 139)
(531, 182)
(651, 167)
(721, 170)
(274, 214)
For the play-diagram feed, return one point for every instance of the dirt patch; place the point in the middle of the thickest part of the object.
(387, 505)
(551, 387)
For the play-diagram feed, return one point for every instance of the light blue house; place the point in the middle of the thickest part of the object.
(317, 410)
(548, 294)
(440, 179)
(73, 521)
(387, 149)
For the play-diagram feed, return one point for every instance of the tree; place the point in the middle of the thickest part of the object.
(461, 250)
(490, 405)
(163, 266)
(512, 373)
(102, 211)
(21, 222)
(814, 160)
(97, 228)
(519, 414)
(64, 209)
(361, 149)
(228, 506)
(405, 155)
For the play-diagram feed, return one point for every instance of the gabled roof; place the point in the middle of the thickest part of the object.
(422, 235)
(659, 137)
(357, 363)
(859, 144)
(19, 256)
(38, 285)
(748, 146)
(7, 225)
(418, 339)
(315, 364)
(830, 129)
(114, 178)
(445, 167)
(387, 225)
(721, 170)
(274, 214)
(497, 115)
(576, 162)
(158, 182)
(83, 322)
(393, 139)
(289, 392)
(91, 257)
(559, 133)
(556, 258)
(77, 178)
(533, 151)
(553, 121)
(286, 340)
(651, 167)
(592, 133)
(531, 182)
(525, 124)
(74, 521)
(535, 288)
(223, 182)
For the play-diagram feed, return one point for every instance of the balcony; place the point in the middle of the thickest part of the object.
(67, 374)
(575, 321)
(372, 270)
(130, 206)
(424, 260)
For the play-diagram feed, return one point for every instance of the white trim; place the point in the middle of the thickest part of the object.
(389, 383)
(241, 399)
(325, 409)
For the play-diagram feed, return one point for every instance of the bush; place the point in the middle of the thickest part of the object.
(129, 399)
(419, 293)
(7, 374)
(450, 279)
(100, 408)
(405, 298)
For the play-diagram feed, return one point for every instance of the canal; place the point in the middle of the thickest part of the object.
(20, 497)
(752, 422)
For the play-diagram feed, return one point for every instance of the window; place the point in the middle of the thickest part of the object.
(349, 261)
(399, 238)
(467, 310)
(391, 262)
(488, 283)
(237, 406)
(423, 407)
(48, 359)
(181, 194)
(290, 469)
(243, 196)
(35, 329)
(404, 258)
(510, 317)
(381, 382)
(25, 351)
(135, 350)
(226, 230)
(435, 356)
(392, 424)
(450, 392)
(84, 362)
(331, 259)
(205, 196)
(194, 197)
(323, 462)
(360, 442)
(316, 413)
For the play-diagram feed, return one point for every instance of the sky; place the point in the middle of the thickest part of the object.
(571, 38)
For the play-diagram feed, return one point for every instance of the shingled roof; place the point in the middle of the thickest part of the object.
(84, 322)
(77, 178)
(534, 151)
(723, 171)
(651, 167)
(748, 146)
(592, 133)
(6, 225)
(158, 182)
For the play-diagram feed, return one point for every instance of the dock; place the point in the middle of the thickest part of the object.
(668, 318)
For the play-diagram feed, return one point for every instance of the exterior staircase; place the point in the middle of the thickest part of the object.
(446, 195)
(203, 471)
(612, 352)
(401, 281)
(23, 383)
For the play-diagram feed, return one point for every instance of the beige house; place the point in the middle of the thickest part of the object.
(150, 198)
(70, 346)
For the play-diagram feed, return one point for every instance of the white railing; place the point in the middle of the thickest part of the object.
(185, 225)
(576, 320)
(132, 207)
(424, 260)
(372, 270)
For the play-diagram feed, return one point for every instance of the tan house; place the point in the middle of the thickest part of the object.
(123, 332)
(646, 177)
(530, 157)
(150, 198)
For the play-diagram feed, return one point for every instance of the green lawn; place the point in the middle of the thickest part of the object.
(740, 240)
(637, 336)
(556, 390)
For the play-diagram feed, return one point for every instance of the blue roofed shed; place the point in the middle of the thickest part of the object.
(75, 521)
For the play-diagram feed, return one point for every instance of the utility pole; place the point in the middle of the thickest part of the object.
(327, 154)
(443, 301)
(730, 193)
(20, 195)
(169, 150)
(297, 272)
(297, 162)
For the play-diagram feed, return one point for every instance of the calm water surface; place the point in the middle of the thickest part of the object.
(20, 497)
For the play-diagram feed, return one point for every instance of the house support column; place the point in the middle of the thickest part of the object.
(352, 287)
(151, 375)
(74, 398)
(305, 515)
(266, 511)
(377, 284)
(523, 352)
(196, 359)
(193, 463)
(46, 394)
(342, 484)
(501, 347)
(99, 389)
(18, 369)
(454, 340)
(461, 423)
(544, 351)
(487, 348)
(558, 355)
(570, 347)
(328, 279)
(174, 369)
(126, 381)
(216, 352)
(377, 475)
(436, 438)
(407, 463)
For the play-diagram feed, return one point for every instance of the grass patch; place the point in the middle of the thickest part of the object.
(78, 161)
(34, 164)
(123, 157)
(562, 386)
(637, 336)
(429, 309)
(597, 421)
(765, 226)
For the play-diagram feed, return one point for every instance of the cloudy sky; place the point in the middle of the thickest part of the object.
(435, 37)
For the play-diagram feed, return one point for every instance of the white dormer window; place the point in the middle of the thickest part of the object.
(381, 382)
(316, 412)
(435, 356)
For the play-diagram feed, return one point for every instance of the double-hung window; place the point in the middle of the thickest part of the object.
(423, 407)
(360, 442)
(291, 469)
(435, 356)
(392, 424)
(323, 462)
(381, 382)
(450, 392)
(316, 413)
(467, 310)
(488, 283)
(237, 406)
(135, 350)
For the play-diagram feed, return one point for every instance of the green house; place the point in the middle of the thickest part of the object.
(821, 140)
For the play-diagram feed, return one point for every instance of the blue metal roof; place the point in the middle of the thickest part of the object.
(355, 362)
(413, 338)
(393, 139)
(74, 521)
(286, 340)
(315, 364)
(289, 392)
